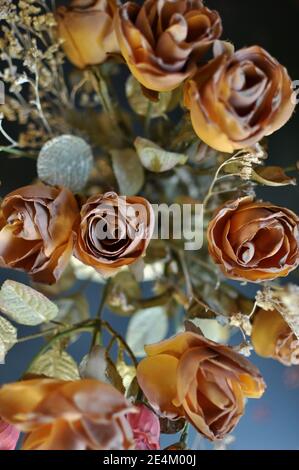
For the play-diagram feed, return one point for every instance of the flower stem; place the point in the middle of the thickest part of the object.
(97, 335)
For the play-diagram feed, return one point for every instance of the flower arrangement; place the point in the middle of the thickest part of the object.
(149, 136)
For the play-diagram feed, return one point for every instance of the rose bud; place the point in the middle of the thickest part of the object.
(9, 436)
(272, 337)
(161, 40)
(146, 428)
(36, 230)
(207, 383)
(253, 240)
(114, 231)
(238, 98)
(86, 27)
(62, 415)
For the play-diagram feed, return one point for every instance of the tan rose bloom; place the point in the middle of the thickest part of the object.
(86, 27)
(253, 240)
(238, 98)
(36, 230)
(161, 39)
(272, 337)
(60, 415)
(190, 376)
(114, 231)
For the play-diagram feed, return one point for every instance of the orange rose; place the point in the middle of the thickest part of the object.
(114, 231)
(253, 240)
(193, 377)
(36, 230)
(59, 415)
(238, 98)
(86, 27)
(272, 337)
(160, 40)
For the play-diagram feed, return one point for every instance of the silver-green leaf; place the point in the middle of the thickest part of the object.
(25, 305)
(8, 337)
(65, 161)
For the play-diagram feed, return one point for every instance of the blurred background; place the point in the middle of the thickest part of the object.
(271, 422)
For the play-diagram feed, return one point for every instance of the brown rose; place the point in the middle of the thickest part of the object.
(272, 337)
(238, 98)
(114, 231)
(60, 415)
(253, 240)
(160, 40)
(190, 376)
(86, 27)
(36, 230)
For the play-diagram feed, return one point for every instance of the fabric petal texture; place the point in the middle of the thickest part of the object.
(61, 415)
(238, 98)
(253, 240)
(207, 383)
(162, 40)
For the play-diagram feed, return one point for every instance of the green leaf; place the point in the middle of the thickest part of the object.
(156, 159)
(128, 171)
(8, 337)
(55, 364)
(146, 327)
(66, 160)
(25, 305)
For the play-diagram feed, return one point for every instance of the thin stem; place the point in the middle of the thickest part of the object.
(253, 310)
(62, 334)
(215, 180)
(37, 335)
(121, 339)
(97, 336)
(37, 102)
(10, 139)
(237, 157)
(16, 152)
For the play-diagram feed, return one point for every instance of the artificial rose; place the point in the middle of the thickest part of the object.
(9, 436)
(36, 230)
(161, 40)
(238, 98)
(114, 231)
(60, 415)
(272, 337)
(86, 27)
(193, 377)
(146, 428)
(254, 240)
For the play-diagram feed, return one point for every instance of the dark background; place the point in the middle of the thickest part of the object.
(272, 422)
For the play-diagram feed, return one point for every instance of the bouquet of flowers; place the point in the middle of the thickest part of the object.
(149, 134)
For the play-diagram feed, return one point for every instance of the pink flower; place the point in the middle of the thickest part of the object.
(146, 428)
(9, 436)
